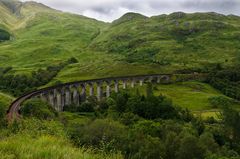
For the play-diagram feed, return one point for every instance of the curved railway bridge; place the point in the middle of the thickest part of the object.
(77, 92)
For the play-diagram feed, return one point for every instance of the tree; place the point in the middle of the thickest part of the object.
(190, 148)
(231, 119)
(86, 107)
(149, 90)
(207, 141)
(121, 101)
(172, 144)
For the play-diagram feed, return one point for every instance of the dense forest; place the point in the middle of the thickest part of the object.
(138, 126)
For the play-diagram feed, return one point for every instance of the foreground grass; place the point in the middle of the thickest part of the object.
(42, 139)
(25, 147)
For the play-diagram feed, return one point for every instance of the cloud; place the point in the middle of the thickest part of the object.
(109, 10)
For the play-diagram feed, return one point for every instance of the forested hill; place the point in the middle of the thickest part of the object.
(34, 36)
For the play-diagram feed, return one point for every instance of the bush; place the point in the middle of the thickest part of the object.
(4, 35)
(219, 101)
(190, 148)
(86, 107)
(72, 60)
(129, 118)
(152, 107)
(37, 108)
(2, 114)
(2, 111)
(98, 131)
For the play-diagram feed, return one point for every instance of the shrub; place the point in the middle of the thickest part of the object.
(190, 148)
(37, 108)
(98, 131)
(4, 35)
(2, 111)
(2, 114)
(129, 118)
(219, 101)
(72, 60)
(86, 107)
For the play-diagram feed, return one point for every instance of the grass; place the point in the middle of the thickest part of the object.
(41, 139)
(5, 98)
(44, 37)
(160, 44)
(45, 147)
(191, 95)
(5, 101)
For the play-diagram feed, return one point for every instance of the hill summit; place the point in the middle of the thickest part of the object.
(130, 17)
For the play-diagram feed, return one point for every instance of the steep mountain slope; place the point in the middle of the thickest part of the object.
(178, 39)
(134, 44)
(42, 36)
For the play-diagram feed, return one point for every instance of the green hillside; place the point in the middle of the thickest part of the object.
(134, 44)
(41, 46)
(177, 40)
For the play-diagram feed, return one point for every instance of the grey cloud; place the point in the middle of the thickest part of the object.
(109, 10)
(211, 4)
(102, 10)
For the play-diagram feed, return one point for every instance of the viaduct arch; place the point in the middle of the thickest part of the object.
(77, 92)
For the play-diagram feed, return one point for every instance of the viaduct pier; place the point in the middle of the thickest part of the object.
(77, 92)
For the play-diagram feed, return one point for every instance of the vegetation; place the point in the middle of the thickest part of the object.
(33, 138)
(5, 100)
(166, 133)
(40, 46)
(38, 109)
(4, 35)
(226, 80)
(19, 84)
(159, 44)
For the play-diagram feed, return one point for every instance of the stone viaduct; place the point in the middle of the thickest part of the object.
(77, 92)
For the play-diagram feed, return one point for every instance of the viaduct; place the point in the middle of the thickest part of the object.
(77, 92)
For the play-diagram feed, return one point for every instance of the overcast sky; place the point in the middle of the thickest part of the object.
(109, 10)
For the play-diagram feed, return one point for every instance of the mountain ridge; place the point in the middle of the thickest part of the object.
(134, 43)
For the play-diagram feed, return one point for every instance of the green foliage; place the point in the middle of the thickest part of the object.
(220, 101)
(2, 114)
(231, 119)
(95, 132)
(226, 81)
(194, 96)
(72, 60)
(22, 146)
(86, 107)
(5, 101)
(152, 107)
(190, 148)
(134, 43)
(37, 108)
(20, 84)
(4, 35)
(129, 118)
